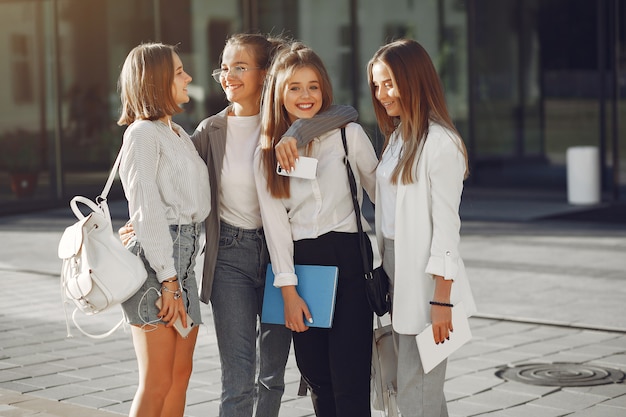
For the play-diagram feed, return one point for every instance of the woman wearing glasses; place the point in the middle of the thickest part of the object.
(236, 253)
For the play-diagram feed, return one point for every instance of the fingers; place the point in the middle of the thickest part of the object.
(183, 319)
(170, 309)
(287, 153)
(126, 233)
(298, 322)
(441, 318)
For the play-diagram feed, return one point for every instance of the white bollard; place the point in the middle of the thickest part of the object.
(583, 175)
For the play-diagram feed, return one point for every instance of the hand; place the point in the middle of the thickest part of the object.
(287, 153)
(171, 306)
(126, 233)
(441, 318)
(296, 310)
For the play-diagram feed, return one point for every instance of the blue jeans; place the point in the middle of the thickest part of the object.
(140, 309)
(237, 300)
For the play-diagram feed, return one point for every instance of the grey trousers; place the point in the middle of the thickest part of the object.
(419, 394)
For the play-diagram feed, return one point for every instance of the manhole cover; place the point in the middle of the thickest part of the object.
(561, 374)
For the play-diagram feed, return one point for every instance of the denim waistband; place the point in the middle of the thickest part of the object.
(239, 231)
(192, 228)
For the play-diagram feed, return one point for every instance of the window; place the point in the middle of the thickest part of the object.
(21, 73)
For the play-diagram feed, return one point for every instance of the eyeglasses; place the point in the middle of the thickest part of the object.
(236, 72)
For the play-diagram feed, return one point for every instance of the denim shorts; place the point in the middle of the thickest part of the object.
(140, 309)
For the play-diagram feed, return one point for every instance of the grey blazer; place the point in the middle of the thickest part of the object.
(210, 141)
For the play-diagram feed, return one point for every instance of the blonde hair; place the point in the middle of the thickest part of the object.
(421, 100)
(274, 117)
(145, 83)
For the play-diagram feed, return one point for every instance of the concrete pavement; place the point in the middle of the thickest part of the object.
(551, 311)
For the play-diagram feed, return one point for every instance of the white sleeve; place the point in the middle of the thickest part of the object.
(365, 158)
(277, 229)
(138, 172)
(446, 169)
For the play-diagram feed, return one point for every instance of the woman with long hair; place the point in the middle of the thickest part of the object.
(236, 253)
(419, 182)
(312, 221)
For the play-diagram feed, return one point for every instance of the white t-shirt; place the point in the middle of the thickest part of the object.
(239, 204)
(388, 191)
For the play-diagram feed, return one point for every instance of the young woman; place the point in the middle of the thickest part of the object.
(167, 187)
(313, 222)
(419, 182)
(236, 253)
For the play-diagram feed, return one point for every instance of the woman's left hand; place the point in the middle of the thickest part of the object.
(441, 318)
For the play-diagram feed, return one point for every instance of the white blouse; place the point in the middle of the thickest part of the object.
(166, 183)
(317, 206)
(386, 190)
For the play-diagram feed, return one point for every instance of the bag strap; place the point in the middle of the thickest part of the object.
(99, 335)
(112, 174)
(367, 267)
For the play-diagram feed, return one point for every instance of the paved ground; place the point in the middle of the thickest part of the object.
(550, 293)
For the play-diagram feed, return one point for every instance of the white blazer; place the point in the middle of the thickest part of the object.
(427, 232)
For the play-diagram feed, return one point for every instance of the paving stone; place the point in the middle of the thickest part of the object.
(10, 375)
(615, 361)
(19, 386)
(91, 401)
(38, 370)
(34, 359)
(118, 395)
(94, 372)
(618, 401)
(536, 391)
(498, 400)
(569, 401)
(567, 356)
(597, 411)
(111, 382)
(463, 408)
(540, 348)
(64, 392)
(529, 410)
(610, 391)
(48, 381)
(471, 384)
(476, 348)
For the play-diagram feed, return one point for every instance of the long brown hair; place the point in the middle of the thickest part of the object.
(274, 116)
(145, 83)
(421, 100)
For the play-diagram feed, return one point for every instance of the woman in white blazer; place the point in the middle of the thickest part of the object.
(419, 182)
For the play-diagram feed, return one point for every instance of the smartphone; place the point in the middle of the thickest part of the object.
(178, 324)
(305, 168)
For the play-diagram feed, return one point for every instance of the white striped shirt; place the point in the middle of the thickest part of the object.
(166, 183)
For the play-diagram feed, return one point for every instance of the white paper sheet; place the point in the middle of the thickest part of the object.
(431, 353)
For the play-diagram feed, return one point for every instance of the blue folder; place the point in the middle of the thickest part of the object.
(317, 285)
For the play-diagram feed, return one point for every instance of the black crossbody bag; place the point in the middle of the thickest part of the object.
(376, 280)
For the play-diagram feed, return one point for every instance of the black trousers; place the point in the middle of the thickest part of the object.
(336, 362)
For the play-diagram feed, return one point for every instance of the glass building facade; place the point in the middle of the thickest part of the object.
(525, 79)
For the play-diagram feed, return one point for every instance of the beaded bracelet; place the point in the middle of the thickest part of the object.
(176, 293)
(437, 303)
